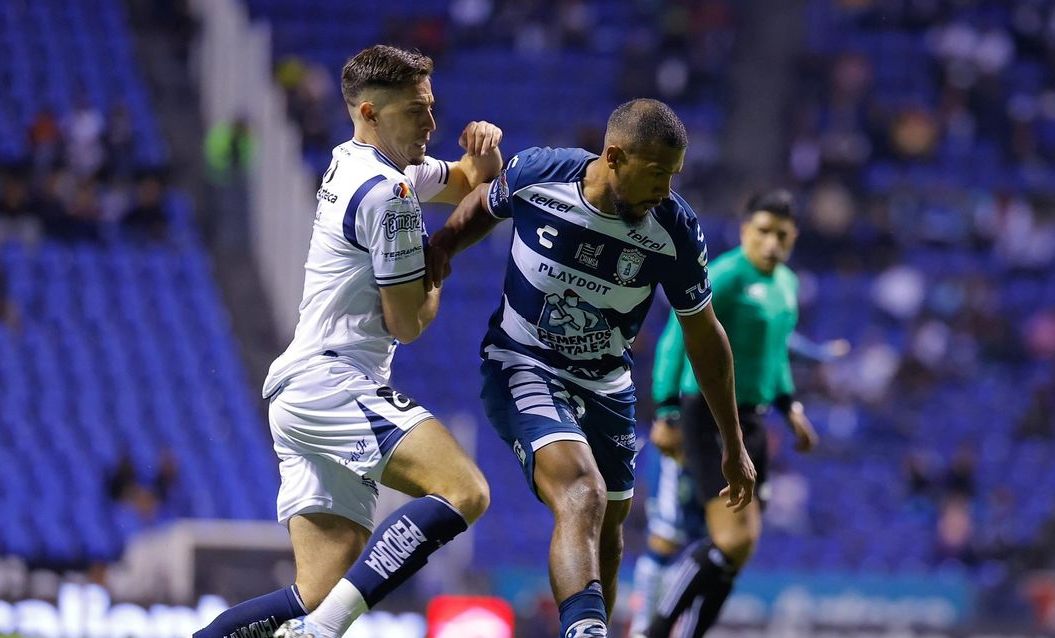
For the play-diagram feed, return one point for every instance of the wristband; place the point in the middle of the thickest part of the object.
(786, 403)
(668, 412)
(668, 403)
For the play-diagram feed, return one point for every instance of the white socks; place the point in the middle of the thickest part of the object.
(339, 609)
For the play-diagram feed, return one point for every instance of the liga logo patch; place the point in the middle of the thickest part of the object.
(499, 193)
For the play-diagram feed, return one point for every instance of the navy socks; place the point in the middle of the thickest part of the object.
(402, 544)
(582, 615)
(259, 616)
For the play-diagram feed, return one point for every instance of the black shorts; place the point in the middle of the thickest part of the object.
(703, 446)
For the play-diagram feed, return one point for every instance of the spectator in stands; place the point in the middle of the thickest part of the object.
(955, 530)
(914, 134)
(310, 103)
(9, 315)
(1039, 418)
(147, 216)
(84, 127)
(470, 18)
(119, 142)
(19, 217)
(82, 217)
(919, 484)
(146, 499)
(959, 476)
(45, 141)
(230, 150)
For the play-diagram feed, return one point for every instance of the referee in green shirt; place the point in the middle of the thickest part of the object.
(755, 296)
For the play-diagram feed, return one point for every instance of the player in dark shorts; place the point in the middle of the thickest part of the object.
(755, 297)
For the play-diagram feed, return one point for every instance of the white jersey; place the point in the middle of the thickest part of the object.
(368, 233)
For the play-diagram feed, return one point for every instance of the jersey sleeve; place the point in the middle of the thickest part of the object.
(723, 287)
(687, 284)
(518, 172)
(388, 226)
(669, 365)
(786, 383)
(428, 178)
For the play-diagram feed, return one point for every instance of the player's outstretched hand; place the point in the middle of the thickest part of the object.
(740, 472)
(805, 436)
(837, 348)
(666, 436)
(480, 138)
(437, 260)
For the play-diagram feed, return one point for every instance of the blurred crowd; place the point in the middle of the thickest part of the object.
(79, 181)
(921, 137)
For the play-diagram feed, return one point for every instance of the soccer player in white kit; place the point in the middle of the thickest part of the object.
(339, 428)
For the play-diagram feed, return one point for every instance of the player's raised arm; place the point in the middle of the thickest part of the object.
(707, 347)
(481, 162)
(469, 223)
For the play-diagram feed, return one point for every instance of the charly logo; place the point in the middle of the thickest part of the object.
(544, 234)
(397, 399)
(399, 221)
(328, 176)
(628, 265)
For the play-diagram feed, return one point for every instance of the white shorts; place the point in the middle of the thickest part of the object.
(334, 430)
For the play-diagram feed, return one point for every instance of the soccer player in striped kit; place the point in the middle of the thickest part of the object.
(593, 238)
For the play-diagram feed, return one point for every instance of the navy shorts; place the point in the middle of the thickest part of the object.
(529, 408)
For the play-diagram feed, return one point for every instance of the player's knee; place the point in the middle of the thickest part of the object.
(476, 498)
(313, 591)
(586, 497)
(737, 545)
(662, 545)
(470, 495)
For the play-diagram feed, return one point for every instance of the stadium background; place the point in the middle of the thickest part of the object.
(158, 162)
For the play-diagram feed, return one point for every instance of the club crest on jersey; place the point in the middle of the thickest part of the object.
(628, 265)
(401, 190)
(757, 292)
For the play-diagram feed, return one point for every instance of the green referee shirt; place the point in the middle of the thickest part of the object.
(759, 312)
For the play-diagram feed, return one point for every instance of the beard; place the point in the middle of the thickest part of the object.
(626, 212)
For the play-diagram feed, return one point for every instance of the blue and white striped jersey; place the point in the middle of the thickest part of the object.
(580, 281)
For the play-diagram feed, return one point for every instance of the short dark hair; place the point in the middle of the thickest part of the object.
(779, 202)
(382, 66)
(641, 121)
